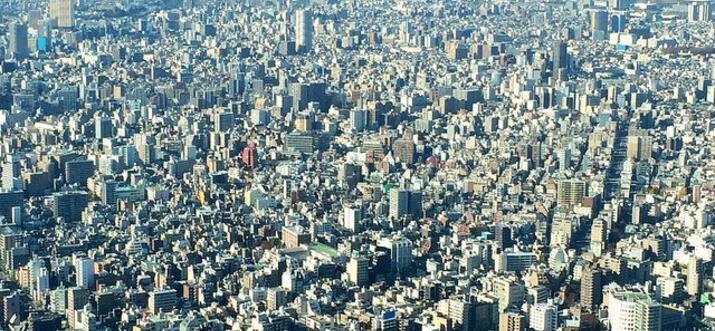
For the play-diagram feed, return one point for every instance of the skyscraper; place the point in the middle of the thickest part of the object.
(560, 57)
(11, 171)
(103, 127)
(694, 282)
(304, 30)
(62, 12)
(84, 267)
(17, 39)
(599, 22)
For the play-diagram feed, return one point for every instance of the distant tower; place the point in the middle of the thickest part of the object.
(62, 12)
(560, 57)
(17, 39)
(599, 22)
(304, 30)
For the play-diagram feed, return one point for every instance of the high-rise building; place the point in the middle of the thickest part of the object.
(358, 270)
(633, 311)
(591, 288)
(599, 21)
(58, 300)
(352, 216)
(399, 202)
(404, 202)
(84, 267)
(62, 13)
(512, 321)
(358, 119)
(69, 205)
(639, 147)
(599, 235)
(162, 300)
(103, 127)
(543, 317)
(570, 192)
(276, 298)
(224, 121)
(400, 251)
(304, 30)
(77, 298)
(694, 282)
(18, 41)
(508, 292)
(560, 57)
(564, 158)
(12, 305)
(462, 314)
(403, 149)
(78, 171)
(11, 172)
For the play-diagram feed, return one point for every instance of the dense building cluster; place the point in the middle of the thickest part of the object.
(435, 165)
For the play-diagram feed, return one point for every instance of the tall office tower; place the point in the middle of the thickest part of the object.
(399, 202)
(41, 284)
(694, 282)
(78, 171)
(512, 321)
(591, 288)
(358, 119)
(570, 192)
(599, 235)
(77, 297)
(103, 127)
(33, 268)
(400, 251)
(11, 173)
(462, 313)
(633, 311)
(224, 121)
(560, 57)
(304, 30)
(599, 21)
(18, 39)
(542, 317)
(564, 156)
(639, 148)
(62, 12)
(69, 205)
(404, 202)
(162, 300)
(352, 215)
(358, 273)
(84, 268)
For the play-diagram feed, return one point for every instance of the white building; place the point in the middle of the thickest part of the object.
(631, 311)
(543, 317)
